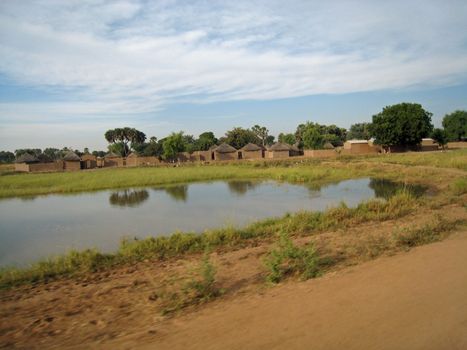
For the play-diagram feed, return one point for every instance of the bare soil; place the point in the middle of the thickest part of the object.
(409, 300)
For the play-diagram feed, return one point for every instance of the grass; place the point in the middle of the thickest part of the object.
(292, 170)
(459, 186)
(177, 244)
(287, 259)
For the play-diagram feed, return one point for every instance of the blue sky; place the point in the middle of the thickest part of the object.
(70, 70)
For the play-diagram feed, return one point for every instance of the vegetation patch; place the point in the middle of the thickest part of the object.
(288, 259)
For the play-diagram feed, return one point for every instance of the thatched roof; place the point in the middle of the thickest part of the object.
(88, 156)
(279, 146)
(111, 155)
(294, 148)
(225, 148)
(328, 145)
(71, 156)
(27, 158)
(212, 148)
(251, 147)
(132, 155)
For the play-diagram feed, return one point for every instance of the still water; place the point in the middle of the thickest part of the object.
(34, 228)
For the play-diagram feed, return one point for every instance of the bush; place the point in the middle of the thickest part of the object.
(288, 259)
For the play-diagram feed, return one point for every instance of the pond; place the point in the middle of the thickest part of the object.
(34, 228)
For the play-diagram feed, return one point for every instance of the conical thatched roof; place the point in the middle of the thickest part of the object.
(225, 148)
(71, 156)
(279, 146)
(250, 147)
(328, 145)
(132, 155)
(212, 148)
(111, 155)
(27, 158)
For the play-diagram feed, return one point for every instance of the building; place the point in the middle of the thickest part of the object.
(358, 147)
(225, 152)
(111, 159)
(428, 144)
(251, 151)
(278, 150)
(89, 161)
(71, 161)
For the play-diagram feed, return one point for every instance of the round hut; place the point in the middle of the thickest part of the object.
(111, 159)
(279, 150)
(251, 151)
(328, 145)
(89, 161)
(225, 152)
(23, 161)
(71, 161)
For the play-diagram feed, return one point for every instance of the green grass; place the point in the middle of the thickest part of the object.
(292, 170)
(288, 259)
(459, 186)
(177, 244)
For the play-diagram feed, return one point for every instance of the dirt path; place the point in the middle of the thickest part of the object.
(414, 300)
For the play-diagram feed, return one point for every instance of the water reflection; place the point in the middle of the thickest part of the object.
(177, 192)
(386, 188)
(128, 198)
(241, 187)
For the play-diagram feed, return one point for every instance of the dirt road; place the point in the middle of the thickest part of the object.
(414, 300)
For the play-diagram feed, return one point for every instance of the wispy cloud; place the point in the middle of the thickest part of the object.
(138, 56)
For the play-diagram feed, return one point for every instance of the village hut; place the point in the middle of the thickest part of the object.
(111, 159)
(71, 161)
(328, 145)
(428, 144)
(251, 151)
(358, 147)
(279, 150)
(89, 161)
(295, 151)
(23, 161)
(132, 159)
(225, 152)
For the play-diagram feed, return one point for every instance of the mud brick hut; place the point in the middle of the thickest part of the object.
(89, 161)
(295, 151)
(278, 150)
(132, 159)
(225, 152)
(111, 159)
(71, 161)
(23, 161)
(428, 144)
(251, 151)
(358, 147)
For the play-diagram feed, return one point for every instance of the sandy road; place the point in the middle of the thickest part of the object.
(414, 300)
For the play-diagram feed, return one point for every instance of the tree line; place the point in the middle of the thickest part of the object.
(403, 124)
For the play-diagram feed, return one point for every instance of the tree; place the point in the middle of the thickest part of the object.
(404, 124)
(455, 125)
(311, 136)
(239, 137)
(287, 138)
(33, 151)
(261, 133)
(440, 136)
(270, 140)
(190, 144)
(7, 157)
(359, 131)
(53, 153)
(173, 145)
(206, 140)
(124, 137)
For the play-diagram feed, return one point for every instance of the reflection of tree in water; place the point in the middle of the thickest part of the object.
(241, 187)
(128, 198)
(179, 193)
(386, 188)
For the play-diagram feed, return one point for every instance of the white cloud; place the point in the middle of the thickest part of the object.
(137, 56)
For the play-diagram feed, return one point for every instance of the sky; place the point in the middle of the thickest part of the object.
(70, 70)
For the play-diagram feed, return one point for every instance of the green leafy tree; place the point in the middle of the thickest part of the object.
(53, 153)
(404, 124)
(125, 137)
(287, 138)
(440, 136)
(455, 125)
(190, 143)
(33, 151)
(359, 131)
(261, 133)
(7, 157)
(239, 137)
(312, 137)
(270, 140)
(206, 140)
(172, 145)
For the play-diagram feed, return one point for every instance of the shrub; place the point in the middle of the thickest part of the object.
(286, 258)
